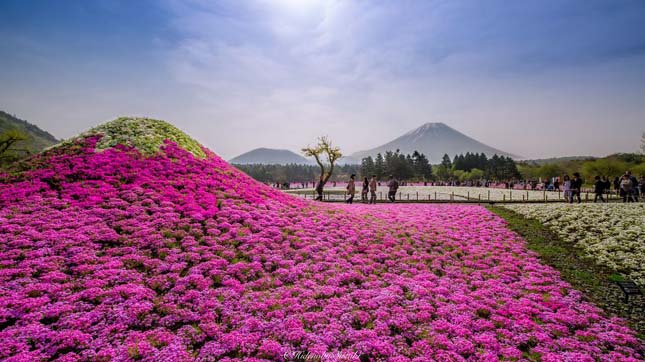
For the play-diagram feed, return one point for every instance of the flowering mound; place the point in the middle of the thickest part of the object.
(145, 134)
(118, 256)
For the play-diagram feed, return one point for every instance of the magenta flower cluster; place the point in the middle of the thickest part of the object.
(113, 256)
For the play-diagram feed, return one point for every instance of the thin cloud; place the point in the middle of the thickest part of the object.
(278, 73)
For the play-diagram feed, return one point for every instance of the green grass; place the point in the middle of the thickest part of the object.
(596, 282)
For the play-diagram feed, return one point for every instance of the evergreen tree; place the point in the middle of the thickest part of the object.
(445, 162)
(367, 167)
(470, 161)
(482, 162)
(389, 159)
(379, 167)
(405, 167)
(509, 168)
(493, 168)
(422, 167)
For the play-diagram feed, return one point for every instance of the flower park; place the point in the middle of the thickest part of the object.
(132, 242)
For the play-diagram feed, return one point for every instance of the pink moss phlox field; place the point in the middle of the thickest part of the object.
(113, 256)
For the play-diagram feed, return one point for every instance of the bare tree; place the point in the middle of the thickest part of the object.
(643, 143)
(326, 156)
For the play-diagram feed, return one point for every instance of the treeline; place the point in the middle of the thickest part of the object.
(474, 166)
(414, 167)
(411, 167)
(610, 166)
(294, 172)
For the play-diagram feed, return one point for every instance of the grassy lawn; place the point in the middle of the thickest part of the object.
(595, 281)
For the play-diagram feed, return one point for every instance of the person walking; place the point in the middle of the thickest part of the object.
(617, 183)
(373, 186)
(626, 188)
(393, 186)
(566, 186)
(607, 183)
(576, 187)
(599, 189)
(365, 189)
(319, 189)
(351, 189)
(635, 188)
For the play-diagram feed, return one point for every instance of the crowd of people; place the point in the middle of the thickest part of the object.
(627, 186)
(368, 190)
(369, 187)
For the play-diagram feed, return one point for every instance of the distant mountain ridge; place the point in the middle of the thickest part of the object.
(434, 140)
(544, 161)
(270, 156)
(38, 138)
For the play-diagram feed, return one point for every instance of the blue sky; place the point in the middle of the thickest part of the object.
(540, 78)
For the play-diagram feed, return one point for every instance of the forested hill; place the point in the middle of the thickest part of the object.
(37, 138)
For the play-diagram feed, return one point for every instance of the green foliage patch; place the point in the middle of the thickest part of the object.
(145, 134)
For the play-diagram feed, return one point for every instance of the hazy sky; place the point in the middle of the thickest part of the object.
(536, 78)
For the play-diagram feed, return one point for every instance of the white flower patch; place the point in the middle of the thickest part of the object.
(611, 234)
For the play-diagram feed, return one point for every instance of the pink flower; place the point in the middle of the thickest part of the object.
(117, 256)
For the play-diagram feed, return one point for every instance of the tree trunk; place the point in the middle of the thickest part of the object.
(323, 179)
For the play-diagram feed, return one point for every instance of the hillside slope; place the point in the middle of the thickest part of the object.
(38, 139)
(112, 253)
